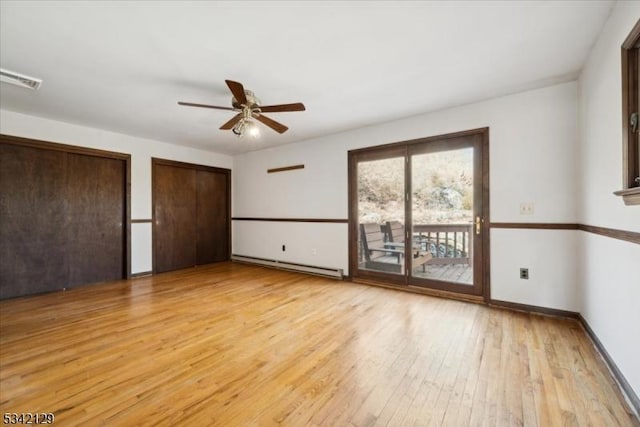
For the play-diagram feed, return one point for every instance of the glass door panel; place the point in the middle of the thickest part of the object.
(442, 215)
(380, 202)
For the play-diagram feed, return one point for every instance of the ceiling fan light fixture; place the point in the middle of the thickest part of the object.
(246, 127)
(252, 129)
(238, 129)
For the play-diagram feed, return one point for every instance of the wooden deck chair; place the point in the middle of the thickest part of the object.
(395, 231)
(376, 255)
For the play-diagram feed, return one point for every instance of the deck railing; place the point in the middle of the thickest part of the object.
(448, 243)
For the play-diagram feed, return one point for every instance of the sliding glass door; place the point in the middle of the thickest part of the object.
(417, 213)
(380, 201)
(445, 205)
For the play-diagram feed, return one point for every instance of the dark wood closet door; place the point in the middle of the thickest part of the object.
(174, 192)
(96, 193)
(212, 217)
(63, 213)
(33, 242)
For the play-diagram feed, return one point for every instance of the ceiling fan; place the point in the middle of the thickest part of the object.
(248, 107)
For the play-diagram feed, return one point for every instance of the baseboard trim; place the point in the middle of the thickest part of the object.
(631, 396)
(334, 273)
(533, 309)
(141, 274)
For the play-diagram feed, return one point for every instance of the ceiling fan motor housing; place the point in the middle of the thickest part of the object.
(252, 100)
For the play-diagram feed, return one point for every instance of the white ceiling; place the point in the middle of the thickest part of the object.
(122, 66)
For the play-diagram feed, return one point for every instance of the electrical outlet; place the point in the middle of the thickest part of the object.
(526, 208)
(524, 273)
(314, 251)
(284, 248)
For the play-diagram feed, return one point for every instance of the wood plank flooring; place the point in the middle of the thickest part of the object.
(232, 344)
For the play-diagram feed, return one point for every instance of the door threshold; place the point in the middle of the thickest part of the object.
(423, 291)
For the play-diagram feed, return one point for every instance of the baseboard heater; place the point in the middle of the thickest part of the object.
(335, 273)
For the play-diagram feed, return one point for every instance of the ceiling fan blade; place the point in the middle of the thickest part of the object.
(298, 106)
(191, 104)
(231, 123)
(278, 127)
(238, 91)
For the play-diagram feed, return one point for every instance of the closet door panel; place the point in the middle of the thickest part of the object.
(174, 192)
(222, 217)
(212, 217)
(33, 223)
(96, 194)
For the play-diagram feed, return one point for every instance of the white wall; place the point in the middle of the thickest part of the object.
(552, 267)
(610, 297)
(318, 244)
(141, 150)
(533, 138)
(610, 276)
(600, 90)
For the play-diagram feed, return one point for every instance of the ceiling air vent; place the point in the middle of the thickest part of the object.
(21, 80)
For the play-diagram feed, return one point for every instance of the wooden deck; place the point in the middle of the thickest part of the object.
(237, 345)
(457, 273)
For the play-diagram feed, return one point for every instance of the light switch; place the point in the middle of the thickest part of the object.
(526, 208)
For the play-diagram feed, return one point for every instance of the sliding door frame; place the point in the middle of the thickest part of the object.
(404, 148)
(355, 156)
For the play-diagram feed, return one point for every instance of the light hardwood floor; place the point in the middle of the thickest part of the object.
(232, 344)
